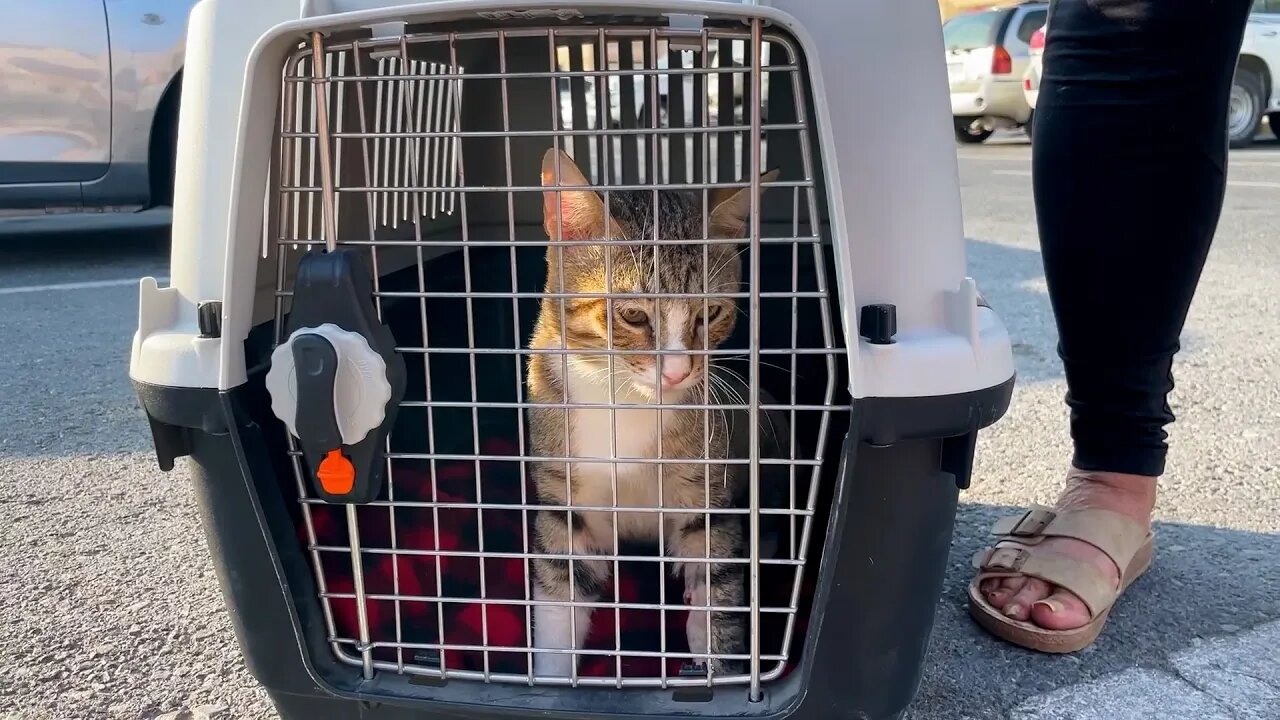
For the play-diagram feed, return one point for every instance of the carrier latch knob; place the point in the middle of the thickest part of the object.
(330, 389)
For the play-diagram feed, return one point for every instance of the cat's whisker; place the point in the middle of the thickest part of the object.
(725, 417)
(762, 362)
(601, 375)
(773, 432)
(725, 263)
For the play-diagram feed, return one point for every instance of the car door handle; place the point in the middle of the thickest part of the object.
(1270, 33)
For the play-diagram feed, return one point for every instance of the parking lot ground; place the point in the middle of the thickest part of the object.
(113, 610)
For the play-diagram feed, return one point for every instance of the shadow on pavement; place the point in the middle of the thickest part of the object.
(1012, 281)
(1206, 582)
(77, 247)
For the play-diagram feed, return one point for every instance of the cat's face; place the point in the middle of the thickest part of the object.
(670, 326)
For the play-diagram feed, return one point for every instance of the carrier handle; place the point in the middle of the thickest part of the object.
(316, 364)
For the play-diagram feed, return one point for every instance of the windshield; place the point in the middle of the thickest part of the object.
(971, 30)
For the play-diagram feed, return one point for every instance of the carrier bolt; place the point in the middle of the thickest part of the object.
(879, 323)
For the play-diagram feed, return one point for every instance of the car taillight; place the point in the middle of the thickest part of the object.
(1026, 83)
(1001, 61)
(1037, 40)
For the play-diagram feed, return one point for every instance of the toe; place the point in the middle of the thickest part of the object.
(1019, 606)
(998, 596)
(1060, 611)
(1009, 588)
(998, 591)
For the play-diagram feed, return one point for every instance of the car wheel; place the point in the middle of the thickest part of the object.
(1244, 112)
(164, 147)
(969, 132)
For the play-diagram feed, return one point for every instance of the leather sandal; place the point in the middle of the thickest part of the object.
(1017, 553)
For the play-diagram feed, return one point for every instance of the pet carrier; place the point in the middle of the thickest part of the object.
(572, 360)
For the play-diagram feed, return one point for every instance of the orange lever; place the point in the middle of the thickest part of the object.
(337, 474)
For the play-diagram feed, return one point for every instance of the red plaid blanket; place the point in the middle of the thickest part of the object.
(465, 580)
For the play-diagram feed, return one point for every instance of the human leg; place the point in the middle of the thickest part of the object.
(1129, 174)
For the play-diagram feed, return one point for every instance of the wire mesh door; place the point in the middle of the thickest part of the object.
(608, 468)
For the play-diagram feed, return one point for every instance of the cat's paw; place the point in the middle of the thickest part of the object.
(696, 630)
(553, 629)
(727, 667)
(553, 665)
(696, 627)
(701, 668)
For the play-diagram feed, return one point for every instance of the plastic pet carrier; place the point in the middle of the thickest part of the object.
(572, 360)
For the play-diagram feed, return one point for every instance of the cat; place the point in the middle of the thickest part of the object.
(576, 220)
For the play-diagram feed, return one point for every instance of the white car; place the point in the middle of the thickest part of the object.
(1255, 93)
(1256, 90)
(987, 53)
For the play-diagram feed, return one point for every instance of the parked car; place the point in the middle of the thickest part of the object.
(88, 107)
(642, 90)
(1255, 93)
(1256, 90)
(987, 52)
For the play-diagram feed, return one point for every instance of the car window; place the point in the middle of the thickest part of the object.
(1031, 22)
(971, 30)
(1266, 6)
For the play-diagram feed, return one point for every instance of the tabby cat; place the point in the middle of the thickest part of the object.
(576, 220)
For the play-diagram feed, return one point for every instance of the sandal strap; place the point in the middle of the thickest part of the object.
(1083, 579)
(1116, 535)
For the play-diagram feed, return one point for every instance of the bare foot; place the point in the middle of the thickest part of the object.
(1046, 605)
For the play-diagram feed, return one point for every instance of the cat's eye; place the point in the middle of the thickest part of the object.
(633, 316)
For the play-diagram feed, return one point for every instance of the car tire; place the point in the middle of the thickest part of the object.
(1274, 121)
(163, 154)
(1244, 112)
(968, 133)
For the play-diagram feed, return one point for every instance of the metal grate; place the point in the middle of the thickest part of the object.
(442, 187)
(397, 113)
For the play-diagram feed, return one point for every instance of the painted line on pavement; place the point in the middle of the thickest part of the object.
(1233, 161)
(88, 285)
(1264, 184)
(1254, 184)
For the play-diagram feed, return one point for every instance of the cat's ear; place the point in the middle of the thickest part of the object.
(580, 212)
(731, 208)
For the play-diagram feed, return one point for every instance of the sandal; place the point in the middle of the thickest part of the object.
(1016, 553)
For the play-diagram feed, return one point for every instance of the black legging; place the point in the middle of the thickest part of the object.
(1129, 171)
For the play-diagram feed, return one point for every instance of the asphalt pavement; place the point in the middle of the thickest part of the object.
(113, 610)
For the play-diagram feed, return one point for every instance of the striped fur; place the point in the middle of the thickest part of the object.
(670, 327)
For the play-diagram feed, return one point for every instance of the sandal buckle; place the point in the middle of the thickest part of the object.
(1007, 559)
(1033, 522)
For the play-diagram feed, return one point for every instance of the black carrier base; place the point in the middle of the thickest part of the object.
(884, 557)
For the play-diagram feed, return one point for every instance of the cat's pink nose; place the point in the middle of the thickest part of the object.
(672, 379)
(675, 371)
